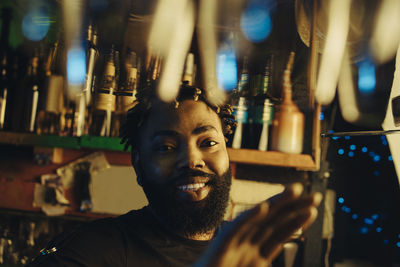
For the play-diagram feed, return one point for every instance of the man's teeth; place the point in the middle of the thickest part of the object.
(192, 187)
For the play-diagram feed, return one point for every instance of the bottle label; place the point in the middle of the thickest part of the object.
(105, 101)
(240, 114)
(264, 114)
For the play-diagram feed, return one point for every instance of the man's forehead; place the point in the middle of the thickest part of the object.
(189, 113)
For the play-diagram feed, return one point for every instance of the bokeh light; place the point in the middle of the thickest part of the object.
(76, 66)
(366, 76)
(255, 22)
(227, 68)
(36, 23)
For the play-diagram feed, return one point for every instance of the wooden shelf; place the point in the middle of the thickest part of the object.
(72, 142)
(271, 158)
(113, 146)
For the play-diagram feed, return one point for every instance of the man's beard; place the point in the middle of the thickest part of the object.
(188, 218)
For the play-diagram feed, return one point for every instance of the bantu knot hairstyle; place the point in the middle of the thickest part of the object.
(145, 97)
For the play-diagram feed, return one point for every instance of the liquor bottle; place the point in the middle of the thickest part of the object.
(240, 111)
(288, 123)
(105, 99)
(85, 101)
(127, 94)
(30, 89)
(243, 85)
(51, 101)
(5, 53)
(4, 87)
(264, 108)
(266, 119)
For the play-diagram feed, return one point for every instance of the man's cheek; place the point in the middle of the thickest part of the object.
(161, 168)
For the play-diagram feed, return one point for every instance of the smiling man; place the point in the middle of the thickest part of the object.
(181, 161)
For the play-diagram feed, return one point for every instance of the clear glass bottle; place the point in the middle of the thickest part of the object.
(105, 99)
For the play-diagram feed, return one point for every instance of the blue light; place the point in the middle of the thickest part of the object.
(377, 158)
(364, 149)
(384, 142)
(346, 209)
(351, 154)
(76, 66)
(368, 221)
(321, 116)
(354, 216)
(386, 241)
(390, 158)
(335, 137)
(364, 230)
(398, 236)
(352, 147)
(378, 229)
(375, 216)
(371, 153)
(340, 200)
(347, 137)
(36, 23)
(227, 68)
(398, 244)
(366, 76)
(340, 151)
(255, 22)
(376, 173)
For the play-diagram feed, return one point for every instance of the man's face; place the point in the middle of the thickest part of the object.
(184, 166)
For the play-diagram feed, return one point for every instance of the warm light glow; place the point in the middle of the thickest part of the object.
(255, 22)
(386, 33)
(338, 27)
(36, 23)
(208, 50)
(346, 93)
(167, 18)
(179, 44)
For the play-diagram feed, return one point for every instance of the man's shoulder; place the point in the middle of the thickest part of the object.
(91, 244)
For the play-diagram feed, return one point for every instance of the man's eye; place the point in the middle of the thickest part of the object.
(165, 148)
(209, 143)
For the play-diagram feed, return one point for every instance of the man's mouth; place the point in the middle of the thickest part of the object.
(191, 187)
(194, 189)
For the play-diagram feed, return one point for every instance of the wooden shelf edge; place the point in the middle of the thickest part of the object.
(272, 158)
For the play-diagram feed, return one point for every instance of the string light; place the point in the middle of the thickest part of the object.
(367, 222)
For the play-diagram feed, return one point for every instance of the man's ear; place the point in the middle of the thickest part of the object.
(135, 159)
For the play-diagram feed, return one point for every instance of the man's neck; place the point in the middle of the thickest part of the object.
(197, 236)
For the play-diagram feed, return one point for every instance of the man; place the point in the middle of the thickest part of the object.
(180, 158)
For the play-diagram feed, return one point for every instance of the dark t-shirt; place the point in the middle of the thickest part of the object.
(133, 239)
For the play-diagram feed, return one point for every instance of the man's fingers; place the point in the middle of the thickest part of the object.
(291, 192)
(246, 221)
(281, 213)
(284, 231)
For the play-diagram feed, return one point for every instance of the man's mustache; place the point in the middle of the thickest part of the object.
(190, 173)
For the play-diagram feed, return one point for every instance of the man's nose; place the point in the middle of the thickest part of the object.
(191, 157)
